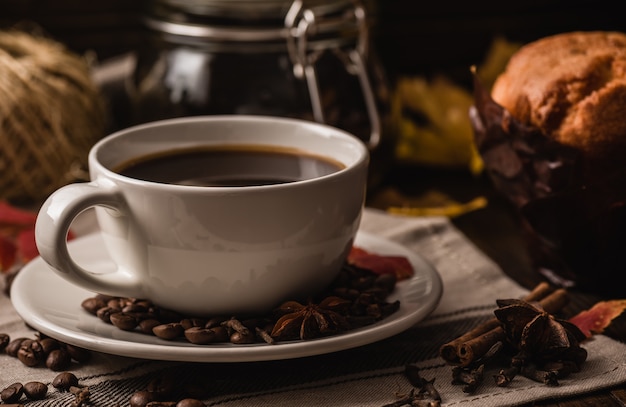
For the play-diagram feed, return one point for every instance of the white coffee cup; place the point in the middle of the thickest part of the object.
(214, 250)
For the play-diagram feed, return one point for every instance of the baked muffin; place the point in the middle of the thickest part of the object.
(552, 134)
(572, 87)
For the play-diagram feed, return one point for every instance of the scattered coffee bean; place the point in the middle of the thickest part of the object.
(49, 344)
(14, 346)
(123, 321)
(31, 352)
(4, 341)
(141, 398)
(193, 323)
(81, 355)
(147, 325)
(241, 338)
(201, 336)
(64, 381)
(386, 281)
(169, 331)
(161, 404)
(190, 403)
(58, 360)
(93, 304)
(35, 390)
(12, 393)
(167, 391)
(163, 387)
(56, 355)
(104, 313)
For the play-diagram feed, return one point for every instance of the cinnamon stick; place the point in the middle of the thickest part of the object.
(474, 344)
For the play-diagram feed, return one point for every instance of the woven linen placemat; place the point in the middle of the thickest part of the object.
(370, 375)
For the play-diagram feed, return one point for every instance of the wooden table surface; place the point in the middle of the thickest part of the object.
(494, 230)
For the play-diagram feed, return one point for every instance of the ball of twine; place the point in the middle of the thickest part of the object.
(51, 113)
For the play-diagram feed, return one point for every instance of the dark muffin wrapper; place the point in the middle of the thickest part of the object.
(575, 227)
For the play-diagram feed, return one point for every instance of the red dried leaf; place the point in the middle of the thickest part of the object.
(17, 236)
(8, 252)
(381, 264)
(12, 216)
(26, 246)
(596, 319)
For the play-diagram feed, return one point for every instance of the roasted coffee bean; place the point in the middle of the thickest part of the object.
(347, 293)
(4, 341)
(135, 308)
(169, 331)
(104, 297)
(35, 390)
(221, 334)
(163, 387)
(124, 321)
(363, 283)
(167, 316)
(58, 359)
(197, 388)
(161, 404)
(241, 338)
(93, 304)
(192, 323)
(147, 325)
(104, 313)
(12, 393)
(146, 304)
(141, 398)
(201, 336)
(81, 355)
(118, 303)
(49, 344)
(31, 353)
(14, 346)
(190, 403)
(386, 281)
(64, 381)
(215, 321)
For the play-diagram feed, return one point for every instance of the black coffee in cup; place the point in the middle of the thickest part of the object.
(229, 166)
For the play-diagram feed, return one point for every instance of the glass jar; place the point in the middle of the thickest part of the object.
(294, 58)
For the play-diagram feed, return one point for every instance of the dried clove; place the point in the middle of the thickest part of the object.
(470, 378)
(81, 396)
(423, 393)
(426, 388)
(506, 376)
(542, 376)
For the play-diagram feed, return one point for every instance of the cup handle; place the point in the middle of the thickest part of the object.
(53, 225)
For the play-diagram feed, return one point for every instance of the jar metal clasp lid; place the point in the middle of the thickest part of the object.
(301, 23)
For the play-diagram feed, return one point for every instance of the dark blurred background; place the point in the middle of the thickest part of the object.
(412, 37)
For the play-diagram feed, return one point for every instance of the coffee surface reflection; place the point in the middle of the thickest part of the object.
(229, 166)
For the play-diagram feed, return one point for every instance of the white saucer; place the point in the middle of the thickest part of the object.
(51, 305)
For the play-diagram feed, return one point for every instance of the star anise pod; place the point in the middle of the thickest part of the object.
(312, 320)
(538, 336)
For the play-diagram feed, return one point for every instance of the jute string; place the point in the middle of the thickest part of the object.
(51, 113)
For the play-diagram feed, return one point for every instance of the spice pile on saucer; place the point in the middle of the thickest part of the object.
(358, 297)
